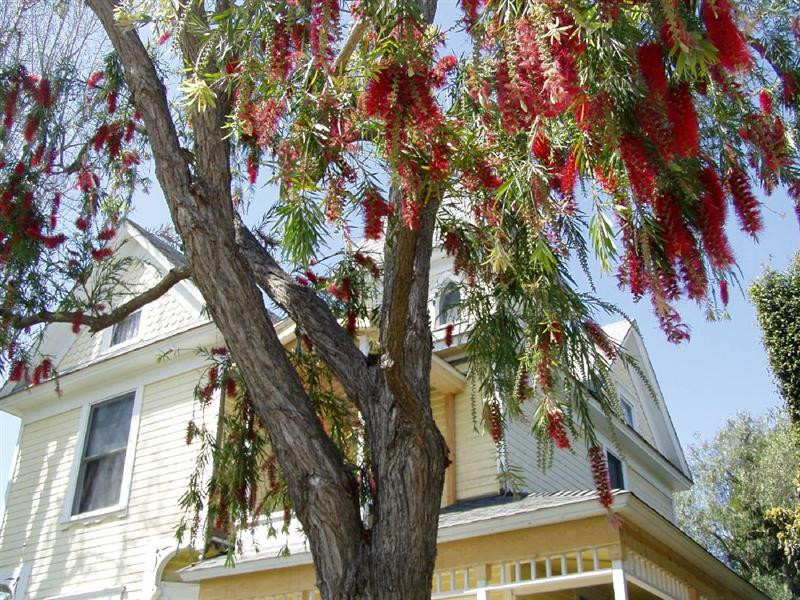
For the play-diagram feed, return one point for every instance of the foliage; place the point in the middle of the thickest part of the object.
(572, 127)
(776, 296)
(742, 497)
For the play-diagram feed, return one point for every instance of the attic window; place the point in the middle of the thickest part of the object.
(449, 305)
(103, 460)
(627, 411)
(125, 330)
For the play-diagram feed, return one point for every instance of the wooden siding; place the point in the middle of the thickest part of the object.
(111, 552)
(649, 493)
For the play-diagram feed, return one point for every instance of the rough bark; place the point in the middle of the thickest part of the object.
(395, 558)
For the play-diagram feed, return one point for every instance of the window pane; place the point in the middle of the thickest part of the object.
(108, 426)
(449, 305)
(125, 329)
(615, 472)
(627, 411)
(100, 482)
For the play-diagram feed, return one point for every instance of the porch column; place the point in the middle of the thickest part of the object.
(618, 580)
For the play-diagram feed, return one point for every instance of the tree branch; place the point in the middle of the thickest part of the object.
(313, 317)
(357, 32)
(405, 323)
(99, 322)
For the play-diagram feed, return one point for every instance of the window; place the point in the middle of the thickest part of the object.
(449, 303)
(627, 411)
(125, 330)
(103, 457)
(615, 472)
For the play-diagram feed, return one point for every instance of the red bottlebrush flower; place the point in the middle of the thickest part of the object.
(103, 253)
(495, 422)
(77, 321)
(111, 102)
(43, 96)
(107, 234)
(219, 351)
(324, 29)
(94, 79)
(100, 137)
(10, 107)
(790, 86)
(443, 68)
(600, 338)
(656, 127)
(765, 102)
(683, 118)
(351, 323)
(86, 180)
(280, 55)
(375, 209)
(651, 64)
(556, 429)
(213, 375)
(54, 241)
(712, 220)
(42, 371)
(130, 158)
(31, 126)
(19, 371)
(252, 168)
(723, 292)
(302, 280)
(334, 200)
(540, 148)
(744, 202)
(569, 175)
(470, 8)
(36, 159)
(641, 173)
(448, 335)
(602, 482)
(725, 35)
(231, 389)
(164, 38)
(130, 129)
(83, 222)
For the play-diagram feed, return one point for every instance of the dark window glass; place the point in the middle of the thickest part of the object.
(449, 303)
(103, 460)
(615, 472)
(125, 329)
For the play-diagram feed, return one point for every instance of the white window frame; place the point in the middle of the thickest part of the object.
(626, 398)
(625, 481)
(120, 509)
(108, 333)
(447, 287)
(16, 579)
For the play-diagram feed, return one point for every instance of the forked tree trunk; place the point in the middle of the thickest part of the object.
(394, 557)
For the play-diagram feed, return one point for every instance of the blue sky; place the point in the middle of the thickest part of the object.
(721, 371)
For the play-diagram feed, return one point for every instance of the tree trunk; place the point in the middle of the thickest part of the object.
(394, 556)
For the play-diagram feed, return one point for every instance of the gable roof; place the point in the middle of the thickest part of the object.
(628, 336)
(131, 240)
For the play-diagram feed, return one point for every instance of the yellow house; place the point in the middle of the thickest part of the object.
(101, 463)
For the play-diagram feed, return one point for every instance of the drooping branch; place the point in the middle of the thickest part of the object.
(314, 318)
(100, 322)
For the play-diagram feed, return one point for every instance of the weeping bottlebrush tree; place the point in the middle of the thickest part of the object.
(621, 128)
